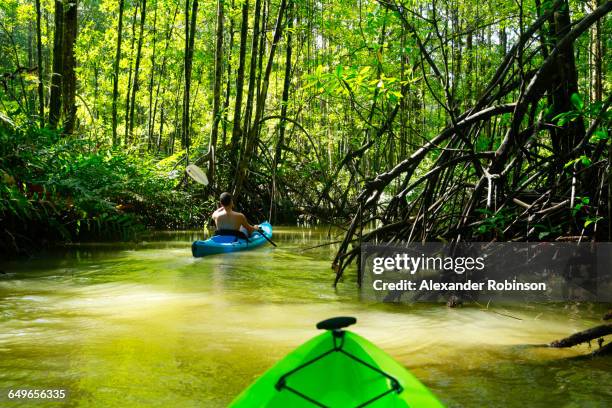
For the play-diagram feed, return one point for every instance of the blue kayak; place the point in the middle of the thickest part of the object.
(220, 244)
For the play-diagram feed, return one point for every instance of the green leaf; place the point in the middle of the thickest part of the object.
(592, 220)
(598, 136)
(585, 161)
(570, 163)
(577, 101)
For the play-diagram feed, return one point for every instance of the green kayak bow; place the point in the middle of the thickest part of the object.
(337, 369)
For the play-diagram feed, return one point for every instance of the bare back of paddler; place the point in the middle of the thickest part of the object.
(226, 219)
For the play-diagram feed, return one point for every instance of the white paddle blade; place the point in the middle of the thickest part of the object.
(197, 174)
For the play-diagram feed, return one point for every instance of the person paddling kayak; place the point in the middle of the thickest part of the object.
(230, 222)
(228, 237)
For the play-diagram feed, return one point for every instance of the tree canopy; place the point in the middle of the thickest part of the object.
(424, 120)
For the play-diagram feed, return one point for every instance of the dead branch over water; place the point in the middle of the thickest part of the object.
(531, 185)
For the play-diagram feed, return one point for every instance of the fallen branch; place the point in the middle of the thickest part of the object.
(583, 336)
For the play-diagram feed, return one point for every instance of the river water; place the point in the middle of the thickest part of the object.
(148, 325)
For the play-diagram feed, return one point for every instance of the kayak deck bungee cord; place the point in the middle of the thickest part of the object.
(337, 369)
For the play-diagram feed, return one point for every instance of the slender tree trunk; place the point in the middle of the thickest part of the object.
(254, 131)
(96, 75)
(252, 68)
(30, 44)
(116, 73)
(229, 79)
(31, 61)
(129, 84)
(236, 133)
(136, 85)
(150, 124)
(47, 57)
(564, 83)
(55, 99)
(178, 130)
(266, 79)
(259, 58)
(69, 62)
(216, 94)
(189, 41)
(162, 71)
(41, 92)
(286, 85)
(469, 74)
(597, 55)
(262, 49)
(162, 118)
(284, 102)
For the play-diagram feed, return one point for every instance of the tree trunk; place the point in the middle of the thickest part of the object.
(47, 56)
(236, 133)
(284, 102)
(216, 94)
(503, 41)
(189, 41)
(229, 78)
(69, 63)
(252, 68)
(254, 131)
(152, 82)
(162, 72)
(161, 127)
(469, 74)
(129, 89)
(41, 92)
(597, 55)
(30, 46)
(136, 85)
(116, 73)
(55, 99)
(564, 83)
(262, 49)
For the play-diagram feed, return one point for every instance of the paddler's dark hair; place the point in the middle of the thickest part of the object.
(225, 199)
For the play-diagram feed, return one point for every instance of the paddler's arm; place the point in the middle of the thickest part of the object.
(250, 228)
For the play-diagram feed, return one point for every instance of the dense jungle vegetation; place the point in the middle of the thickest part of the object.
(429, 120)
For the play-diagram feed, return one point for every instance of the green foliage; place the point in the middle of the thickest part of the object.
(592, 220)
(352, 66)
(70, 189)
(585, 213)
(548, 230)
(581, 109)
(583, 159)
(582, 202)
(494, 222)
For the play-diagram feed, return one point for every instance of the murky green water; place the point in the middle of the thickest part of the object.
(148, 325)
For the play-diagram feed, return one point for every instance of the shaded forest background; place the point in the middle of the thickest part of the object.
(414, 120)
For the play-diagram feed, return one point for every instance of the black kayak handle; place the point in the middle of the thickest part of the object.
(336, 323)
